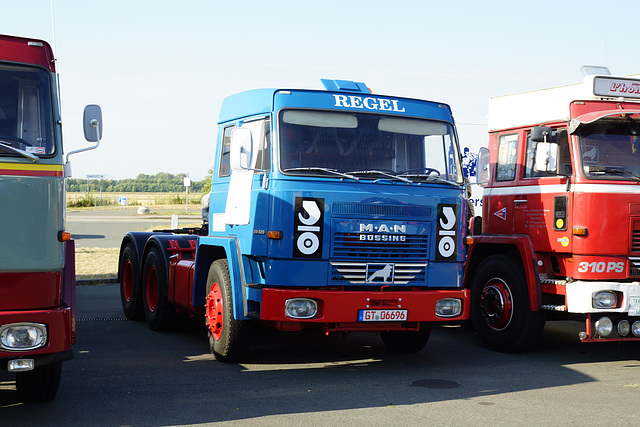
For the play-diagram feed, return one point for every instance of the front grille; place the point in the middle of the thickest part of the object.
(349, 246)
(377, 273)
(634, 266)
(375, 210)
(635, 239)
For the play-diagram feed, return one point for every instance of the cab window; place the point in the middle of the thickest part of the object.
(558, 136)
(507, 155)
(225, 162)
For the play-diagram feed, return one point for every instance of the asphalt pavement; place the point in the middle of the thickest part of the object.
(126, 374)
(105, 228)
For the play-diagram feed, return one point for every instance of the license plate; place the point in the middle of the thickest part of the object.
(634, 306)
(382, 316)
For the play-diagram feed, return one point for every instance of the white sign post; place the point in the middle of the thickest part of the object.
(187, 184)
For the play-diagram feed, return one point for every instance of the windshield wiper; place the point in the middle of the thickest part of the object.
(615, 171)
(376, 172)
(427, 176)
(316, 169)
(29, 156)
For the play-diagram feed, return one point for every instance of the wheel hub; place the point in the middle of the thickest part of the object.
(497, 305)
(215, 311)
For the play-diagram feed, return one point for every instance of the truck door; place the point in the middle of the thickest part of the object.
(542, 204)
(500, 196)
(241, 201)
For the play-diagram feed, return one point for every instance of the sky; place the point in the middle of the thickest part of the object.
(160, 69)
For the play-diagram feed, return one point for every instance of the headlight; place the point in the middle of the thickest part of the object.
(604, 326)
(300, 308)
(23, 336)
(604, 299)
(624, 328)
(635, 328)
(448, 307)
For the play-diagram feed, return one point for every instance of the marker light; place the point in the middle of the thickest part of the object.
(624, 328)
(274, 235)
(23, 336)
(604, 299)
(579, 231)
(300, 308)
(604, 326)
(448, 307)
(64, 236)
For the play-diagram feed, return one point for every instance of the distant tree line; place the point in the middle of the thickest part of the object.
(159, 183)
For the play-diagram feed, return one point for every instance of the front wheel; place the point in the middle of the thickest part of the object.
(228, 337)
(40, 384)
(407, 341)
(500, 310)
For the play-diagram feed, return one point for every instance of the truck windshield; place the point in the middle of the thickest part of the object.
(25, 111)
(610, 149)
(367, 146)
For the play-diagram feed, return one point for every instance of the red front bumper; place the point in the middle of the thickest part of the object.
(59, 329)
(338, 310)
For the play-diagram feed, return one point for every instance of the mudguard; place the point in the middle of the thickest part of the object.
(209, 249)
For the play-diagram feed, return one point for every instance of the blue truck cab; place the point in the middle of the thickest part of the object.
(332, 209)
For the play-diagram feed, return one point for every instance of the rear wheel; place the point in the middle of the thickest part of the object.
(130, 289)
(40, 384)
(158, 311)
(500, 306)
(407, 341)
(228, 337)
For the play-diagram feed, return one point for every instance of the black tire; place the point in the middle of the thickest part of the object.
(500, 310)
(39, 385)
(130, 289)
(158, 311)
(228, 337)
(407, 341)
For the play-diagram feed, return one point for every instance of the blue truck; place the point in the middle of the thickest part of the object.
(336, 210)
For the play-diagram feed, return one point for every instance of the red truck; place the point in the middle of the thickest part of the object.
(559, 236)
(37, 267)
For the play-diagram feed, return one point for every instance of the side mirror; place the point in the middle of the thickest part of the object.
(92, 120)
(540, 134)
(241, 153)
(483, 174)
(546, 157)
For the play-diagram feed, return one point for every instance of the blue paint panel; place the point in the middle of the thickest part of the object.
(445, 274)
(245, 104)
(342, 101)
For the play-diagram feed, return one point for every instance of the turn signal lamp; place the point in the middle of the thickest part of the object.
(579, 231)
(274, 235)
(64, 236)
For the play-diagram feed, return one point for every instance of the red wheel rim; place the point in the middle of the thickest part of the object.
(127, 281)
(215, 311)
(496, 303)
(152, 288)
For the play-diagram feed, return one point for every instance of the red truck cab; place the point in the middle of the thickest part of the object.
(559, 236)
(37, 267)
